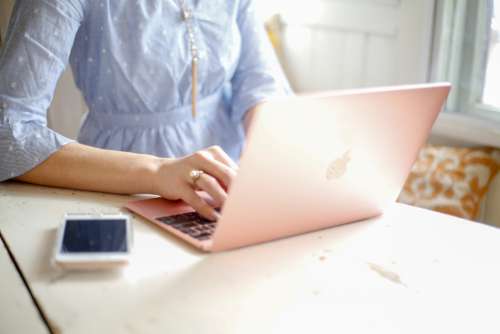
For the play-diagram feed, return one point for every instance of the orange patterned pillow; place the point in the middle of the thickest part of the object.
(451, 180)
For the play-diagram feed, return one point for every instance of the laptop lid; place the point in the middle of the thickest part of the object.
(313, 162)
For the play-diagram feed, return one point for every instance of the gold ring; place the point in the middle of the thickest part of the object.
(195, 175)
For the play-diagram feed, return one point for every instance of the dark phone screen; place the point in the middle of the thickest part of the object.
(87, 236)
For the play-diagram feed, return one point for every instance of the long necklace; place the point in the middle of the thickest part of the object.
(187, 16)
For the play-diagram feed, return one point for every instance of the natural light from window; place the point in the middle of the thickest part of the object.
(491, 93)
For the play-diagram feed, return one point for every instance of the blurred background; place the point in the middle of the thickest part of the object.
(340, 44)
(330, 44)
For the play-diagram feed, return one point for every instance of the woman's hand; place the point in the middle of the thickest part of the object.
(173, 179)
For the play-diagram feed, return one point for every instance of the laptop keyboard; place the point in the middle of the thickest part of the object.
(192, 224)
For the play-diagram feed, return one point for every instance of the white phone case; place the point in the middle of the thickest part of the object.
(92, 260)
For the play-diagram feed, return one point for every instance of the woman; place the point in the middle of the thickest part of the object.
(168, 83)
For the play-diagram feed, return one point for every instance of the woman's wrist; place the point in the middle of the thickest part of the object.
(153, 166)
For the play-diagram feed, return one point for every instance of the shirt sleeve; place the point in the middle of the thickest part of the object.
(36, 51)
(258, 76)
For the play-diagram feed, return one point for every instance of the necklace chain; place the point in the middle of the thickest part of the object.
(187, 16)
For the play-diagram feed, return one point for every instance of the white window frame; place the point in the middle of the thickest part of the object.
(459, 50)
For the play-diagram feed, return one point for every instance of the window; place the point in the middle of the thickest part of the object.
(491, 93)
(466, 52)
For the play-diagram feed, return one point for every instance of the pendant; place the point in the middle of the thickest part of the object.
(194, 80)
(186, 14)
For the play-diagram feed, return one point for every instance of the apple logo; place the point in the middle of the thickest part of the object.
(338, 167)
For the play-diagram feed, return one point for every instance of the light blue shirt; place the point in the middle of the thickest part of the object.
(132, 62)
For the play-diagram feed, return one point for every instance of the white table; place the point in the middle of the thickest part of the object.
(409, 271)
(18, 313)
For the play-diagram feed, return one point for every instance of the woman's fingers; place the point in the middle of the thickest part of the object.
(212, 187)
(204, 161)
(221, 156)
(217, 172)
(199, 205)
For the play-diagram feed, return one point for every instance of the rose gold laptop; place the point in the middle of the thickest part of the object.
(313, 162)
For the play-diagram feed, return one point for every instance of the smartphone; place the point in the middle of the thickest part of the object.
(93, 241)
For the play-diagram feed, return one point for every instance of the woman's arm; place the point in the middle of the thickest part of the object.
(249, 116)
(78, 166)
(258, 76)
(37, 48)
(84, 167)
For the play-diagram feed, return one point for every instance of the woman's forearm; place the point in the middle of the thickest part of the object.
(83, 167)
(78, 166)
(249, 116)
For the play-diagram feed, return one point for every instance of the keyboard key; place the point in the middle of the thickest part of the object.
(190, 223)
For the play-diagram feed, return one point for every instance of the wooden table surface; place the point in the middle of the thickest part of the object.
(408, 271)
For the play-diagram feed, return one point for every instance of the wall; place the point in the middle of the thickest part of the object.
(68, 107)
(336, 44)
(5, 9)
